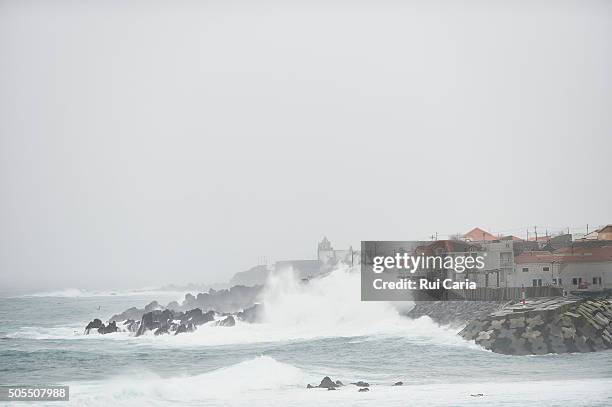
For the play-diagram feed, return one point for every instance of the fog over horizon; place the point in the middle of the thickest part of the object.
(148, 143)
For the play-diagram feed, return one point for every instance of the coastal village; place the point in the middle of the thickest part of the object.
(572, 263)
(575, 264)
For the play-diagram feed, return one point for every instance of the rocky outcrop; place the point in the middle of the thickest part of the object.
(238, 299)
(168, 321)
(153, 306)
(182, 328)
(95, 324)
(227, 321)
(252, 314)
(329, 384)
(159, 322)
(136, 313)
(361, 384)
(549, 325)
(131, 325)
(231, 300)
(99, 326)
(326, 383)
(197, 317)
(110, 328)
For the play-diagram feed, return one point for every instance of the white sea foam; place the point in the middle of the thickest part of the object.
(324, 307)
(70, 332)
(260, 376)
(264, 381)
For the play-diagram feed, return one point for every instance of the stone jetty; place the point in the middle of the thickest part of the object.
(545, 325)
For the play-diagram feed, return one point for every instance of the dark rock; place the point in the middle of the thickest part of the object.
(327, 383)
(331, 388)
(310, 386)
(237, 298)
(196, 317)
(398, 384)
(364, 389)
(339, 383)
(208, 316)
(252, 315)
(152, 321)
(229, 321)
(95, 324)
(168, 321)
(152, 306)
(182, 328)
(112, 327)
(164, 329)
(131, 325)
(232, 300)
(477, 395)
(361, 384)
(130, 313)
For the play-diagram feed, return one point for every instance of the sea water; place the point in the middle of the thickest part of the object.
(309, 331)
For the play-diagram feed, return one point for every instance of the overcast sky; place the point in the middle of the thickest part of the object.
(144, 143)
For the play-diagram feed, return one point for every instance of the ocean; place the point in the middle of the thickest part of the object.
(309, 331)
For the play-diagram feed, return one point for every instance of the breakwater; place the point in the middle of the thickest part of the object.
(546, 325)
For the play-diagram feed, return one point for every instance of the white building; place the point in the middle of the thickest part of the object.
(586, 267)
(499, 263)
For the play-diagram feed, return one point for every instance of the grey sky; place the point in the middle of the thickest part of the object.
(144, 143)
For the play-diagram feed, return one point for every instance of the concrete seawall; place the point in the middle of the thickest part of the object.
(546, 325)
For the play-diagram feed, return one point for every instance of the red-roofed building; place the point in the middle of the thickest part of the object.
(604, 233)
(479, 235)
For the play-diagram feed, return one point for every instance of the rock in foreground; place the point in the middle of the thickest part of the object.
(326, 383)
(361, 384)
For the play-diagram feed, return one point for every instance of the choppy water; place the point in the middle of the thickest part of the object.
(322, 329)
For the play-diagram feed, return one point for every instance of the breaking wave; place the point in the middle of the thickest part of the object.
(294, 310)
(324, 307)
(259, 375)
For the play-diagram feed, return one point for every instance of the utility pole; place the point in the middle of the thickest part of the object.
(535, 229)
